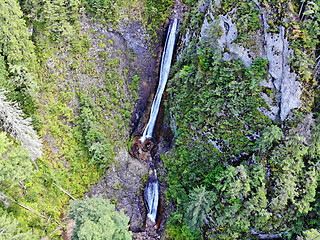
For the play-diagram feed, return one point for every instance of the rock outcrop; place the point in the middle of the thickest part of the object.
(124, 179)
(122, 185)
(282, 81)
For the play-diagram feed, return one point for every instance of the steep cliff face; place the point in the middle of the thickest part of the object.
(240, 101)
(262, 42)
(122, 75)
(123, 185)
(91, 67)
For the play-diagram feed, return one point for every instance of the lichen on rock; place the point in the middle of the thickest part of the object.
(263, 43)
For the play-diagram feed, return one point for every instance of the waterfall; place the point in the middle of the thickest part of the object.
(151, 196)
(164, 73)
(151, 193)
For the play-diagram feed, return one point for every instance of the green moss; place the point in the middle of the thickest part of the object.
(248, 20)
(117, 186)
(75, 64)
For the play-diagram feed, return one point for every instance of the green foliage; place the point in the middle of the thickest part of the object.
(309, 34)
(135, 82)
(248, 19)
(156, 9)
(198, 207)
(227, 98)
(80, 44)
(134, 87)
(54, 20)
(104, 10)
(191, 165)
(241, 207)
(17, 57)
(182, 233)
(10, 228)
(69, 146)
(196, 14)
(218, 103)
(311, 234)
(190, 2)
(22, 88)
(97, 219)
(54, 26)
(3, 71)
(97, 144)
(16, 45)
(156, 12)
(264, 176)
(304, 40)
(271, 136)
(15, 164)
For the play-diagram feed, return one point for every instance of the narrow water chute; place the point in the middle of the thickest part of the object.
(151, 193)
(164, 74)
(151, 196)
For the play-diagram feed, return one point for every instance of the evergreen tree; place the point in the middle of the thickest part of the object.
(199, 206)
(10, 228)
(15, 162)
(12, 121)
(96, 219)
(15, 41)
(17, 57)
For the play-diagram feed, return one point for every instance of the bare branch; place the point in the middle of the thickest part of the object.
(64, 191)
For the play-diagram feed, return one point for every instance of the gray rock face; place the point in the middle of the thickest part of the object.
(135, 37)
(228, 38)
(272, 46)
(122, 186)
(278, 54)
(123, 181)
(124, 178)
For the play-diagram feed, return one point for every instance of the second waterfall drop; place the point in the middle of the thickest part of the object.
(151, 193)
(151, 196)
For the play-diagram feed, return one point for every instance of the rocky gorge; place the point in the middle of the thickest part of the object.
(282, 89)
(228, 148)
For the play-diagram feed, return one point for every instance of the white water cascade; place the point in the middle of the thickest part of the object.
(164, 73)
(151, 193)
(151, 196)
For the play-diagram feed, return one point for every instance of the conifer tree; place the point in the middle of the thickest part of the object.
(199, 206)
(96, 219)
(10, 228)
(12, 121)
(15, 41)
(15, 162)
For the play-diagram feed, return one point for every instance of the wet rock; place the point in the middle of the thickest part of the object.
(122, 186)
(142, 150)
(125, 177)
(150, 232)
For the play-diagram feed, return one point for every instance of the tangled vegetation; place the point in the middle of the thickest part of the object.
(67, 94)
(77, 94)
(91, 216)
(234, 173)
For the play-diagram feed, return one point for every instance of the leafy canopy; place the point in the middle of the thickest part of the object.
(10, 228)
(97, 219)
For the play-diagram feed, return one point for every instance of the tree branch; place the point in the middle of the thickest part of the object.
(64, 191)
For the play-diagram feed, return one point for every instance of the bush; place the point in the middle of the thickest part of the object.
(96, 218)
